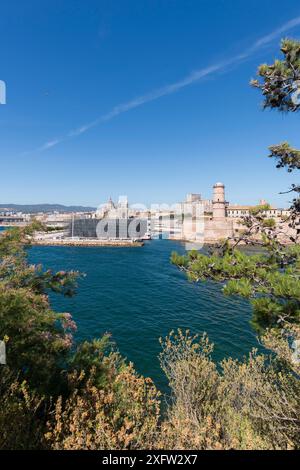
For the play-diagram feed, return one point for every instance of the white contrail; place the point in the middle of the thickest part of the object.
(174, 87)
(277, 32)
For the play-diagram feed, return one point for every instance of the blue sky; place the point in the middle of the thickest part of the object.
(148, 98)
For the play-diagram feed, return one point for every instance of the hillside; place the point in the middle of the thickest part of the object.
(32, 208)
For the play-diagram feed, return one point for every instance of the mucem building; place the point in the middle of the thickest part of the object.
(106, 228)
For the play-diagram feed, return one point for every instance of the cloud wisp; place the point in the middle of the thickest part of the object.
(176, 86)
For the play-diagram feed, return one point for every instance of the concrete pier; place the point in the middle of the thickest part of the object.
(87, 242)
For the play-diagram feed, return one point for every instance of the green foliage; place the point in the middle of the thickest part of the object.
(269, 223)
(14, 240)
(251, 404)
(286, 156)
(123, 414)
(259, 209)
(178, 260)
(38, 339)
(95, 358)
(279, 81)
(280, 87)
(54, 228)
(20, 411)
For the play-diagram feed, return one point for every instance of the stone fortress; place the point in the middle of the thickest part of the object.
(220, 220)
(204, 220)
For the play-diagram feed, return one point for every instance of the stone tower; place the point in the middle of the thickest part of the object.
(219, 204)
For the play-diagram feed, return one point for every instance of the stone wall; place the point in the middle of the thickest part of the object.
(218, 229)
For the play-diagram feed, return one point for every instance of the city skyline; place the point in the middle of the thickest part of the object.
(154, 103)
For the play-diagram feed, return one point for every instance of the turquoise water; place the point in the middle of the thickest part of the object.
(138, 296)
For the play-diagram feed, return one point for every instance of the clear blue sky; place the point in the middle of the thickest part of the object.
(71, 131)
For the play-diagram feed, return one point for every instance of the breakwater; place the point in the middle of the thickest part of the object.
(87, 242)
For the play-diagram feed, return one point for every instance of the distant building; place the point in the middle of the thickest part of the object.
(239, 211)
(108, 229)
(193, 197)
(11, 217)
(194, 201)
(112, 210)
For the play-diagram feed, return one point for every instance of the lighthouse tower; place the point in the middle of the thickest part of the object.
(219, 204)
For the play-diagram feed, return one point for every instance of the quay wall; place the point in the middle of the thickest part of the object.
(65, 242)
